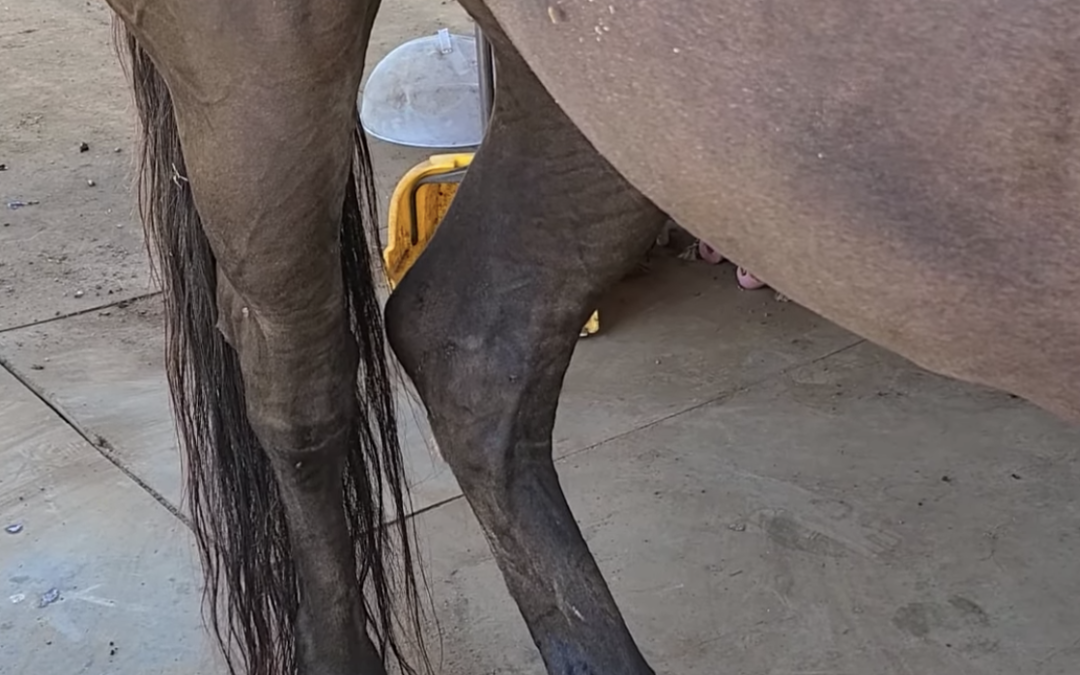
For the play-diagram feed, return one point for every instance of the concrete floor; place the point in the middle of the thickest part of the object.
(767, 494)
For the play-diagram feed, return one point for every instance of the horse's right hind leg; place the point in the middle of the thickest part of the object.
(485, 324)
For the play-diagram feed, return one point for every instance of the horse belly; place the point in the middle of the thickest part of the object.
(906, 170)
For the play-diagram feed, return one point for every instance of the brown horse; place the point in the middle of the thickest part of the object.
(907, 169)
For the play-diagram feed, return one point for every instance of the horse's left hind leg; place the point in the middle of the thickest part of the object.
(252, 104)
(485, 324)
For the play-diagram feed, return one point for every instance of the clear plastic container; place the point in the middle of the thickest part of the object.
(426, 93)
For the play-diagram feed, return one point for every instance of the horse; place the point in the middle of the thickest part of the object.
(906, 169)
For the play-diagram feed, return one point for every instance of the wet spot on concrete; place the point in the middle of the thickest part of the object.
(916, 618)
(970, 610)
(959, 614)
(785, 531)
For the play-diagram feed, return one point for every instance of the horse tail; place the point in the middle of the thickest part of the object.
(236, 511)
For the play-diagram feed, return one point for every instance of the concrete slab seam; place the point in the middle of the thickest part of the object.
(720, 397)
(715, 399)
(96, 308)
(98, 442)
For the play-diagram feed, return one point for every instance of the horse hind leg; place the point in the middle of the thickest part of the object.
(271, 311)
(485, 323)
